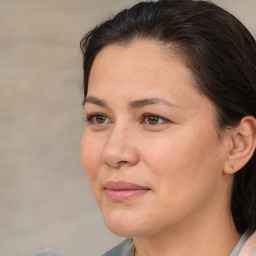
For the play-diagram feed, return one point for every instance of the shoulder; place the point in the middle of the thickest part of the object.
(125, 248)
(249, 248)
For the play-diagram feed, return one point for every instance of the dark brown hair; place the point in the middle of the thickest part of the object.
(218, 49)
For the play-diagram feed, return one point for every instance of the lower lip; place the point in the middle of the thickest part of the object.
(124, 195)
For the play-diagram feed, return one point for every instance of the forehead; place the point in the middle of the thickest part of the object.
(141, 63)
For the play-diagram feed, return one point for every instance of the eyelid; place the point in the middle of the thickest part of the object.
(89, 118)
(164, 120)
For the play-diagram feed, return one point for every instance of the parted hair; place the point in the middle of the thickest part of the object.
(219, 51)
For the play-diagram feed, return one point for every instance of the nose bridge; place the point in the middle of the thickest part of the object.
(119, 148)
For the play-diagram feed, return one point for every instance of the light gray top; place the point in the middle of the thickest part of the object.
(126, 248)
(50, 252)
(240, 244)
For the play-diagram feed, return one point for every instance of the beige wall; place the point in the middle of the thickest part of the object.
(45, 198)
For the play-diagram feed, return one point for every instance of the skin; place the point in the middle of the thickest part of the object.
(178, 157)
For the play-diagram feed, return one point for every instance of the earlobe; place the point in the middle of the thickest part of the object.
(243, 145)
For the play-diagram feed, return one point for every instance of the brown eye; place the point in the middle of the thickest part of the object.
(97, 119)
(100, 119)
(153, 120)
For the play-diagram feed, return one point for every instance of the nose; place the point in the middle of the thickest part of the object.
(120, 149)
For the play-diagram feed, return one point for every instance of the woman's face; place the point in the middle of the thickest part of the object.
(150, 147)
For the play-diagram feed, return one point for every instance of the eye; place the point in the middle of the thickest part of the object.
(152, 119)
(97, 119)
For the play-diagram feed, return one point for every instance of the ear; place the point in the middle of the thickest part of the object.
(242, 146)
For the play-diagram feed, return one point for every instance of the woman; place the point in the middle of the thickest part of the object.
(169, 143)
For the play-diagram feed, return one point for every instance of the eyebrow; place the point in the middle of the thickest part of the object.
(151, 101)
(133, 104)
(96, 101)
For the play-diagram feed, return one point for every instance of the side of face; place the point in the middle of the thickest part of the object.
(148, 126)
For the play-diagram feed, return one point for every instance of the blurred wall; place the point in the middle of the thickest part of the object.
(45, 198)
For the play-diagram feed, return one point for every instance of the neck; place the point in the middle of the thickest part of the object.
(210, 241)
(192, 243)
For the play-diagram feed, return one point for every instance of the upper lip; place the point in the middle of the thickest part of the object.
(123, 185)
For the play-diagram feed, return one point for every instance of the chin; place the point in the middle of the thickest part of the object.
(124, 224)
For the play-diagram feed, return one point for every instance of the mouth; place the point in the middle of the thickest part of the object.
(123, 191)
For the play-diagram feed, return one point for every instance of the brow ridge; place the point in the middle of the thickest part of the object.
(133, 104)
(96, 101)
(150, 101)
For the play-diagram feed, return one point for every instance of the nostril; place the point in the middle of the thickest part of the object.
(121, 163)
(115, 164)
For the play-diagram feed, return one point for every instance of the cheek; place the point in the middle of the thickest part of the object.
(186, 175)
(90, 155)
(186, 161)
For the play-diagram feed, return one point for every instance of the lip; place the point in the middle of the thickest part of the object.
(119, 191)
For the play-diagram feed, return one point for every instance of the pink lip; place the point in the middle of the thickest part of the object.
(123, 191)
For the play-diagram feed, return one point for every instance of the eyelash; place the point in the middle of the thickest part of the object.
(90, 119)
(163, 120)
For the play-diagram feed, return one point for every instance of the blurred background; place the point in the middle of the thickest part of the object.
(45, 198)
